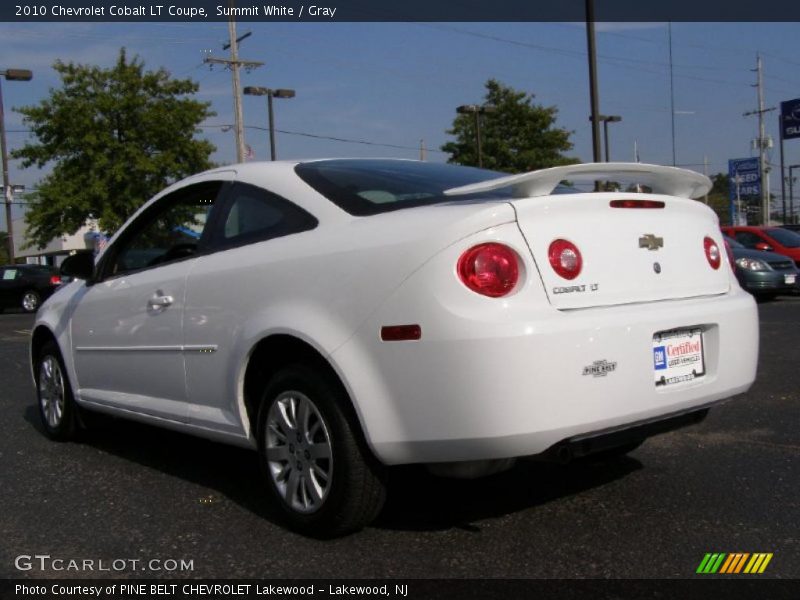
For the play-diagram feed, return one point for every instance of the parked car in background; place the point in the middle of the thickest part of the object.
(344, 316)
(27, 286)
(792, 227)
(769, 239)
(763, 274)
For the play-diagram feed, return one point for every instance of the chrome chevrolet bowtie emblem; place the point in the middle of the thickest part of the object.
(651, 242)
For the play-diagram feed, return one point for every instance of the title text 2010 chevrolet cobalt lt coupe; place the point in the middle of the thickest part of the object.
(343, 316)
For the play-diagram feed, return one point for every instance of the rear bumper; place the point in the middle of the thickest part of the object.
(486, 389)
(598, 441)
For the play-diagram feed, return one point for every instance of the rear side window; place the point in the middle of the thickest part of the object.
(253, 214)
(786, 238)
(369, 187)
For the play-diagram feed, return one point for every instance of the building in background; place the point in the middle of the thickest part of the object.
(58, 249)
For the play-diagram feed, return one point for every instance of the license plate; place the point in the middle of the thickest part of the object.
(678, 356)
(790, 279)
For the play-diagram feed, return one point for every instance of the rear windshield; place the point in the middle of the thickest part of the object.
(371, 186)
(786, 238)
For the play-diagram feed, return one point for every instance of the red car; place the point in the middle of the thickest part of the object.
(770, 239)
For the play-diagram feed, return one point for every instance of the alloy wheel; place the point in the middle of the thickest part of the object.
(30, 301)
(298, 452)
(51, 391)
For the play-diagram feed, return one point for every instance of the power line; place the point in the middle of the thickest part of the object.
(302, 134)
(332, 138)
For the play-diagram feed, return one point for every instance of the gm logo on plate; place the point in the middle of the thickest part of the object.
(660, 357)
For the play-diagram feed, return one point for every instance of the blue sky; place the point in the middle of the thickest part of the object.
(399, 83)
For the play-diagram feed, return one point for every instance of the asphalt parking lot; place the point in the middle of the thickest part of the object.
(730, 484)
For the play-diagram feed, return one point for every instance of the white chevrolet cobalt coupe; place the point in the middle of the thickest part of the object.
(344, 316)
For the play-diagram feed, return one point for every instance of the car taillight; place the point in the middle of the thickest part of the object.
(55, 280)
(712, 253)
(565, 258)
(636, 204)
(489, 269)
(731, 259)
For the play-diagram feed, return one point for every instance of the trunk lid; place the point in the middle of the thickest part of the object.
(629, 254)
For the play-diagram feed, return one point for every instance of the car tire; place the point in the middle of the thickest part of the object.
(57, 408)
(30, 301)
(317, 466)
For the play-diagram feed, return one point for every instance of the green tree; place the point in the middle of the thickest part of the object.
(517, 136)
(718, 198)
(115, 137)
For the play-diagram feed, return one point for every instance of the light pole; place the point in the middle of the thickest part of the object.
(478, 111)
(270, 94)
(606, 119)
(10, 75)
(594, 97)
(792, 218)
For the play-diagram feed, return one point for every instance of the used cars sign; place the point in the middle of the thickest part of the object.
(790, 119)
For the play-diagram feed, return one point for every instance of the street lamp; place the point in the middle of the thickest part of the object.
(477, 110)
(606, 119)
(270, 94)
(10, 75)
(792, 218)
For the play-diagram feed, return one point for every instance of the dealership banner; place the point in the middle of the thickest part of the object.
(790, 119)
(751, 586)
(398, 11)
(746, 173)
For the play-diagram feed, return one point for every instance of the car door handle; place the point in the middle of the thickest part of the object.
(158, 301)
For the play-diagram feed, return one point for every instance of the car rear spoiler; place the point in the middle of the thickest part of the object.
(671, 181)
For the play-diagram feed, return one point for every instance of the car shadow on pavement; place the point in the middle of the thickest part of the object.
(419, 501)
(416, 501)
(231, 472)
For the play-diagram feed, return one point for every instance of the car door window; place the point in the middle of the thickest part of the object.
(171, 230)
(252, 214)
(748, 239)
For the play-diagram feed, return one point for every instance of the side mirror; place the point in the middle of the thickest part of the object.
(763, 246)
(79, 265)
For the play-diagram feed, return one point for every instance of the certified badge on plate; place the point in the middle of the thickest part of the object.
(678, 356)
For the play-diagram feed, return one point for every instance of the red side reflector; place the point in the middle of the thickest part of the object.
(55, 280)
(400, 333)
(636, 204)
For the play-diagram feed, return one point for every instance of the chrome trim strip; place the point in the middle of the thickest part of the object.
(189, 348)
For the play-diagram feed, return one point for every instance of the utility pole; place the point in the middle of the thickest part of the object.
(705, 172)
(234, 64)
(671, 93)
(8, 189)
(593, 95)
(762, 143)
(479, 111)
(422, 156)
